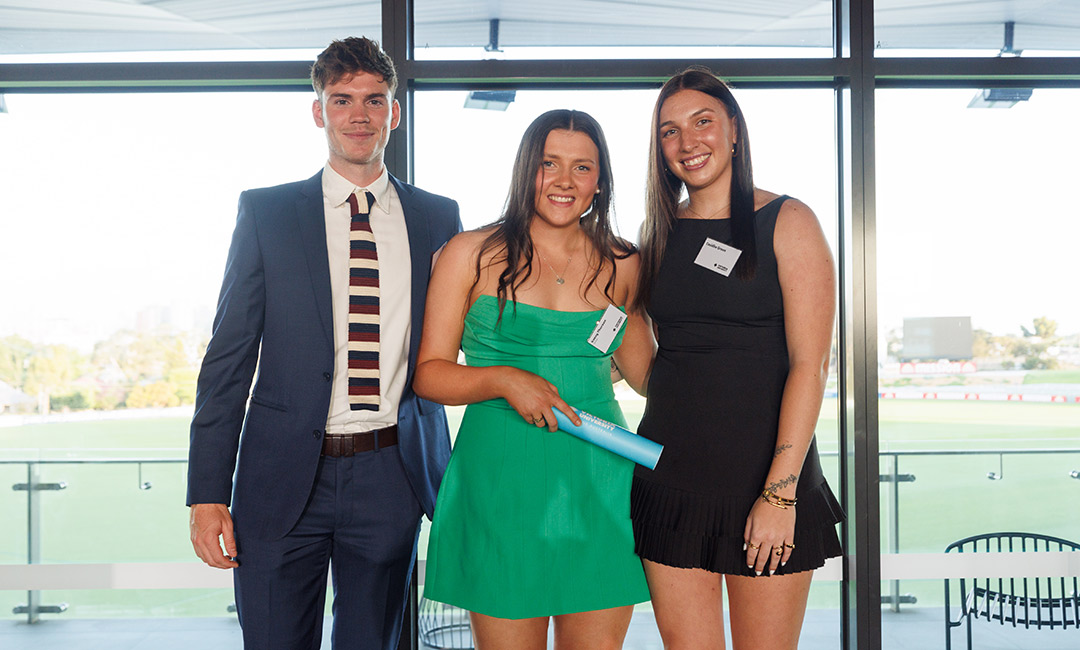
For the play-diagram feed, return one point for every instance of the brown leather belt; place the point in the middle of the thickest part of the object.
(348, 444)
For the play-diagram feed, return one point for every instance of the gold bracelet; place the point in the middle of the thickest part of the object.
(775, 505)
(775, 499)
(769, 494)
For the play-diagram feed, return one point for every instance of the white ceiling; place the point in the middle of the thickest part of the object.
(57, 26)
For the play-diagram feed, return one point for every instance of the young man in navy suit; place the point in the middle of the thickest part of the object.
(319, 471)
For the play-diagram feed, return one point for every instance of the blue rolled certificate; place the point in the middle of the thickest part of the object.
(612, 437)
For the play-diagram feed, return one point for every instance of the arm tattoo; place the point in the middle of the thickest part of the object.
(776, 486)
(780, 449)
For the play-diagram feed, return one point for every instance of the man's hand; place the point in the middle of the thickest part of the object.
(208, 522)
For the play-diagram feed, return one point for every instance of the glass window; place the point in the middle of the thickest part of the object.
(792, 136)
(118, 211)
(131, 198)
(446, 164)
(13, 548)
(979, 339)
(1033, 27)
(592, 29)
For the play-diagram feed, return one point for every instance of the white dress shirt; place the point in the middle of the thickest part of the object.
(395, 298)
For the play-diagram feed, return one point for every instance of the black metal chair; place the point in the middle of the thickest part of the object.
(443, 627)
(1038, 603)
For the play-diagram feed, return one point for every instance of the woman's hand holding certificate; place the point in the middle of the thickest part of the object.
(612, 437)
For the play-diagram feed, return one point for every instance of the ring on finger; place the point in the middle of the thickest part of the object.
(792, 546)
(754, 546)
(779, 551)
(537, 420)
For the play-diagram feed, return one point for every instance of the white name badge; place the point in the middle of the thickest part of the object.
(606, 328)
(717, 257)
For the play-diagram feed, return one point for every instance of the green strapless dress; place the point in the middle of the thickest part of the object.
(528, 522)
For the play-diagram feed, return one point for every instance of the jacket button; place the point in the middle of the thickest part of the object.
(316, 433)
(327, 376)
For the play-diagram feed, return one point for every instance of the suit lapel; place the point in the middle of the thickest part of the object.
(312, 223)
(420, 252)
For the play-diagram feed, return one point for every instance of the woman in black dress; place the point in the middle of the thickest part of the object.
(740, 284)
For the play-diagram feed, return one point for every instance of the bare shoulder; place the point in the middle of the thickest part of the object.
(628, 262)
(798, 232)
(796, 220)
(627, 268)
(464, 247)
(794, 208)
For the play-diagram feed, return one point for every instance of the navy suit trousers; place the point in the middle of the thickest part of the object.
(361, 521)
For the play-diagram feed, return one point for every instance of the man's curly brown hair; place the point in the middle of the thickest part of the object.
(348, 56)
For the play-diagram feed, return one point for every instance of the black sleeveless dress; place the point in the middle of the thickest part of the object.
(714, 403)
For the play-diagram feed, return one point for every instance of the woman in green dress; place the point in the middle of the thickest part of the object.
(531, 522)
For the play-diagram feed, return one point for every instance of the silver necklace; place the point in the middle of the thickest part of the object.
(559, 279)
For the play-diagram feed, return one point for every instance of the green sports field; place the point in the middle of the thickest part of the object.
(105, 515)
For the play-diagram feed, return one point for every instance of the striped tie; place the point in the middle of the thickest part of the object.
(363, 309)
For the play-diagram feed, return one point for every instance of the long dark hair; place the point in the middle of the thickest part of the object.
(663, 189)
(511, 239)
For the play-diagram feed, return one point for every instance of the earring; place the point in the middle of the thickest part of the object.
(734, 149)
(597, 191)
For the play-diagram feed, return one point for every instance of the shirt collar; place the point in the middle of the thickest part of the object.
(336, 188)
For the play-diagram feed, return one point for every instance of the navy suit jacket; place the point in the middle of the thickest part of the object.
(274, 313)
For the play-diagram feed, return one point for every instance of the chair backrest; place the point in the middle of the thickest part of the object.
(1010, 543)
(1030, 602)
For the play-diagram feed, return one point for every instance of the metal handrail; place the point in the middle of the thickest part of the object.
(896, 452)
(34, 486)
(894, 598)
(980, 452)
(89, 461)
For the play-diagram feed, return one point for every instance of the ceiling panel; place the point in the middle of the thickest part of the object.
(69, 26)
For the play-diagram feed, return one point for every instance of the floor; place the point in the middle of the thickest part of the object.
(911, 629)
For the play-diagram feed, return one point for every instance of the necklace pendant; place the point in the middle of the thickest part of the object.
(559, 280)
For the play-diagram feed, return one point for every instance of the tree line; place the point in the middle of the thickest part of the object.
(159, 368)
(127, 370)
